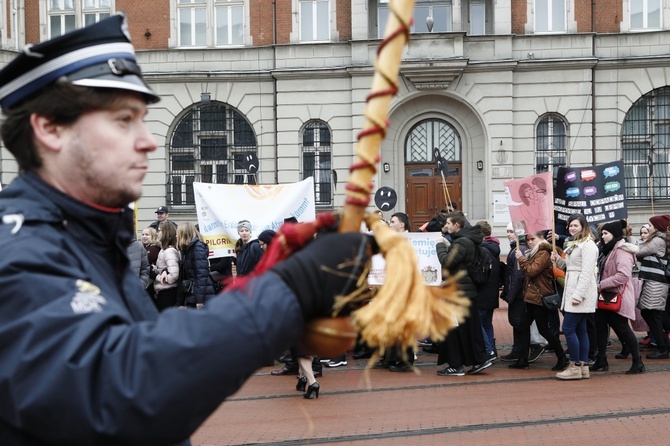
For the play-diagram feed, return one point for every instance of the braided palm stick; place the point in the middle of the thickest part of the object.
(384, 88)
(404, 307)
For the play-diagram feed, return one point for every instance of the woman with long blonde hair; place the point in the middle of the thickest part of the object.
(580, 293)
(167, 267)
(195, 285)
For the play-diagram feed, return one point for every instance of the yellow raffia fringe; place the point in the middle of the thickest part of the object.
(404, 308)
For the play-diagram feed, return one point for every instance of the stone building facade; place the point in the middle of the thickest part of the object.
(502, 89)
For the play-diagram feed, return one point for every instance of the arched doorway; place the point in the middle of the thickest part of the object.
(425, 191)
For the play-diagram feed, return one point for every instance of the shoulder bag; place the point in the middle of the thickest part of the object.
(551, 301)
(611, 301)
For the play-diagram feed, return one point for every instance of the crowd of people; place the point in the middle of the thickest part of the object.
(589, 264)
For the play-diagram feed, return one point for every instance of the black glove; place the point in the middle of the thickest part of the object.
(327, 267)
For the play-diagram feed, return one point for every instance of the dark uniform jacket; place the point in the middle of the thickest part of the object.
(85, 359)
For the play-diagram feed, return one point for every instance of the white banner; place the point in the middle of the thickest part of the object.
(429, 266)
(220, 206)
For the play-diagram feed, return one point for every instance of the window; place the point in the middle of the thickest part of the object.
(439, 11)
(645, 14)
(645, 141)
(67, 15)
(477, 18)
(317, 160)
(551, 142)
(208, 145)
(428, 135)
(314, 20)
(550, 16)
(205, 23)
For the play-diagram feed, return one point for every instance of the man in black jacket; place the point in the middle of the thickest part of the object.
(86, 359)
(465, 344)
(489, 292)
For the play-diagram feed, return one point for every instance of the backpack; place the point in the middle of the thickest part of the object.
(480, 268)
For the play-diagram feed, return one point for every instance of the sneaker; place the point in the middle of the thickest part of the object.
(535, 352)
(425, 342)
(479, 367)
(324, 360)
(336, 363)
(401, 368)
(645, 341)
(510, 357)
(492, 357)
(572, 372)
(450, 371)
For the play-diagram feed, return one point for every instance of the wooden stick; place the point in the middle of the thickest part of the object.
(384, 87)
(446, 188)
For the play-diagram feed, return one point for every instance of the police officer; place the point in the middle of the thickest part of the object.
(85, 359)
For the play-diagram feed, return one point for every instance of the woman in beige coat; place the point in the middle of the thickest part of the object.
(580, 294)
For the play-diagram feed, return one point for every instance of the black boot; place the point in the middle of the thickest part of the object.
(625, 351)
(561, 364)
(600, 364)
(302, 383)
(637, 366)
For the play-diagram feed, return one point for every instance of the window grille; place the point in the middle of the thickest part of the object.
(208, 145)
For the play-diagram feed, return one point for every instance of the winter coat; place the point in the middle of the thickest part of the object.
(168, 260)
(139, 262)
(248, 258)
(654, 292)
(580, 266)
(618, 273)
(195, 268)
(487, 296)
(514, 277)
(86, 359)
(538, 270)
(459, 256)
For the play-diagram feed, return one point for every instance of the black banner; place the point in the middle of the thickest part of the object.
(598, 192)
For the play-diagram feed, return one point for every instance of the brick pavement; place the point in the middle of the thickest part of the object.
(497, 407)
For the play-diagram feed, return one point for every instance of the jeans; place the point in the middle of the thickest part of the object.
(486, 319)
(574, 328)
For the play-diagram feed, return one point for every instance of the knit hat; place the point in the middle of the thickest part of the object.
(614, 227)
(660, 222)
(243, 224)
(267, 236)
(510, 226)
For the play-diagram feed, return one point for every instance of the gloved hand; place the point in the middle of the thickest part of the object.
(327, 267)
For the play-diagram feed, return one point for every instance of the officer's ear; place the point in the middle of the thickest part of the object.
(47, 134)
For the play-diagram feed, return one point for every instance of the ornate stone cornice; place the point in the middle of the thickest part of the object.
(433, 75)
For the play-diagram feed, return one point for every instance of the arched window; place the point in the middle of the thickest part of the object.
(428, 135)
(208, 145)
(645, 141)
(317, 160)
(551, 143)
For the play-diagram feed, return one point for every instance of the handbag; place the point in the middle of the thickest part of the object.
(609, 300)
(551, 301)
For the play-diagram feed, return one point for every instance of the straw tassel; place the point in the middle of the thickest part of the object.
(404, 308)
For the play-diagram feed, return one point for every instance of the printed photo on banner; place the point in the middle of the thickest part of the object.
(598, 192)
(220, 207)
(429, 265)
(530, 203)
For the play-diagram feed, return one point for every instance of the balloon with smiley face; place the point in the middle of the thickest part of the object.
(251, 162)
(386, 198)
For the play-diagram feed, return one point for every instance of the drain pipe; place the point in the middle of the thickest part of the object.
(274, 88)
(593, 84)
